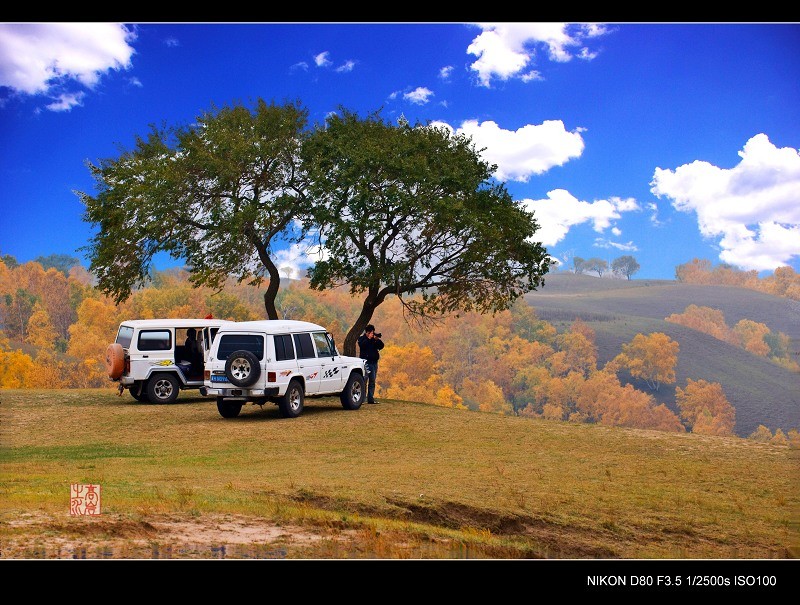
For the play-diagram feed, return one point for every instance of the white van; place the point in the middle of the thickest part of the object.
(150, 357)
(280, 361)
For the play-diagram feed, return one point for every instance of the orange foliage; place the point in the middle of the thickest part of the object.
(784, 281)
(705, 409)
(751, 336)
(707, 320)
(651, 358)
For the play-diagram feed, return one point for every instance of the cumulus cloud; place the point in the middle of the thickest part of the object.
(518, 154)
(322, 60)
(445, 72)
(751, 210)
(507, 50)
(419, 95)
(561, 211)
(66, 101)
(36, 58)
(346, 66)
(134, 81)
(172, 42)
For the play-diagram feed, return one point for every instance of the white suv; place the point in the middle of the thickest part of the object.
(280, 361)
(150, 357)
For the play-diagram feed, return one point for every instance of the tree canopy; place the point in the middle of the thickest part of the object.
(625, 265)
(405, 209)
(219, 193)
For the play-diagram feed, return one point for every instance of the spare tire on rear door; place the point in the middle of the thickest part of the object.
(242, 368)
(115, 361)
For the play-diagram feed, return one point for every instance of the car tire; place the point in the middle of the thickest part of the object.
(163, 388)
(354, 392)
(291, 404)
(139, 392)
(228, 409)
(242, 368)
(115, 361)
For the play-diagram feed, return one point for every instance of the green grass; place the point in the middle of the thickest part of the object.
(761, 391)
(390, 481)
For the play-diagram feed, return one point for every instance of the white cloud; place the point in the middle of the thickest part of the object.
(532, 149)
(506, 50)
(419, 95)
(300, 65)
(561, 211)
(66, 101)
(172, 42)
(35, 57)
(653, 207)
(601, 242)
(346, 66)
(616, 231)
(445, 72)
(322, 60)
(752, 208)
(135, 82)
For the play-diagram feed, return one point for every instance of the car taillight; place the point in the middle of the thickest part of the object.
(207, 375)
(272, 377)
(127, 365)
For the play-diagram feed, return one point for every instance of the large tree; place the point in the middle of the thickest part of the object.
(625, 265)
(407, 210)
(220, 194)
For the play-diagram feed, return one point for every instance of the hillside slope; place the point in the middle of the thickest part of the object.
(761, 391)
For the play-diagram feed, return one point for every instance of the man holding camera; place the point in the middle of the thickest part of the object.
(369, 343)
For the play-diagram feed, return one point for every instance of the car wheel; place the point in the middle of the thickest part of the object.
(115, 361)
(291, 404)
(353, 394)
(163, 388)
(139, 392)
(228, 409)
(242, 368)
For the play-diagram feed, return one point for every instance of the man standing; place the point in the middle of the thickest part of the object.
(369, 343)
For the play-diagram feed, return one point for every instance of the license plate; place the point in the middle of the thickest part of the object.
(219, 379)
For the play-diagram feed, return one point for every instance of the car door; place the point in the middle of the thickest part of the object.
(307, 361)
(285, 364)
(330, 370)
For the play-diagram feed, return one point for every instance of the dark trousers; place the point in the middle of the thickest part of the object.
(372, 376)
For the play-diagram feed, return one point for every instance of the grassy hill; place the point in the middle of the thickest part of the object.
(396, 480)
(761, 391)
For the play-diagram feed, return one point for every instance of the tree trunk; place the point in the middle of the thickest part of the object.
(364, 318)
(272, 290)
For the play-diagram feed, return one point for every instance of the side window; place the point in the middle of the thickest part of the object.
(125, 336)
(323, 344)
(154, 340)
(305, 350)
(284, 349)
(234, 342)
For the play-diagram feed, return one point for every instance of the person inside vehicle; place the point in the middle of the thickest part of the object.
(194, 351)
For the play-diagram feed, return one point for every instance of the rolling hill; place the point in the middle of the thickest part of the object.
(761, 391)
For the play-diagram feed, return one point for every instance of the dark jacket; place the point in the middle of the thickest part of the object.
(369, 347)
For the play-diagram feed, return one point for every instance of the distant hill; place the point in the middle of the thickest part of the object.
(761, 391)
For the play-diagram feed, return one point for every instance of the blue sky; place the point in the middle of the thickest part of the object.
(665, 141)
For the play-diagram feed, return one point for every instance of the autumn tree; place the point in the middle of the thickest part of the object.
(704, 408)
(651, 358)
(625, 265)
(220, 193)
(412, 209)
(751, 335)
(707, 320)
(598, 265)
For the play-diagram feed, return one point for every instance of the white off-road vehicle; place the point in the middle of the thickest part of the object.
(152, 359)
(280, 361)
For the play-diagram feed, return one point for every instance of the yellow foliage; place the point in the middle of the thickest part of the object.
(762, 434)
(40, 332)
(16, 370)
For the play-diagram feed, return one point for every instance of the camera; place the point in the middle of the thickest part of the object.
(378, 335)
